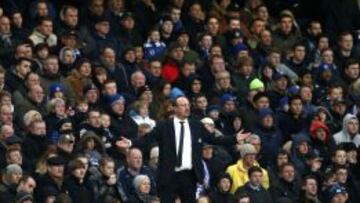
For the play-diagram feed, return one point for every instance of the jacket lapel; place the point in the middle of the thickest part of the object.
(172, 133)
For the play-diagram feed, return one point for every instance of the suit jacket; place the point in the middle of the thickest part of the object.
(164, 134)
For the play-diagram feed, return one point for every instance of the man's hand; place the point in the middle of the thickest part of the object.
(111, 180)
(144, 129)
(210, 128)
(123, 144)
(241, 136)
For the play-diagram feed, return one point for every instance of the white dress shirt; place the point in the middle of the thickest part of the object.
(187, 147)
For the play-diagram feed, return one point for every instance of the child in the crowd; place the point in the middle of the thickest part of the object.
(154, 47)
(93, 148)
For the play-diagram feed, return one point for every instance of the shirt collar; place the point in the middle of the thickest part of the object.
(176, 119)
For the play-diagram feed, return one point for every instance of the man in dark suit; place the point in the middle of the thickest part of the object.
(180, 143)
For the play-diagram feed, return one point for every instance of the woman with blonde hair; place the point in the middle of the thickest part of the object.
(41, 165)
(30, 117)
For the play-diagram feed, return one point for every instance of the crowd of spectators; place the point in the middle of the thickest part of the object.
(84, 82)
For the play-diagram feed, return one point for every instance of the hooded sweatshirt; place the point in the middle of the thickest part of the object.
(343, 135)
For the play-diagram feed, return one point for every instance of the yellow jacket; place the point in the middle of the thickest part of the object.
(239, 175)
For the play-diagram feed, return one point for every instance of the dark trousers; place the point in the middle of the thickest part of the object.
(183, 185)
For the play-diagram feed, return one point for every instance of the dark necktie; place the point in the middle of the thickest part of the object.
(181, 145)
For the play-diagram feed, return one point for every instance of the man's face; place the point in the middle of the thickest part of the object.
(97, 7)
(229, 106)
(207, 153)
(24, 50)
(201, 103)
(67, 146)
(28, 186)
(303, 148)
(128, 23)
(281, 84)
(188, 69)
(336, 94)
(353, 126)
(183, 39)
(46, 28)
(223, 80)
(94, 119)
(213, 25)
(182, 108)
(175, 14)
(110, 88)
(234, 24)
(256, 178)
(6, 132)
(109, 57)
(138, 81)
(37, 94)
(196, 11)
(296, 106)
(339, 198)
(56, 171)
(79, 172)
(346, 42)
(42, 9)
(249, 159)
(299, 53)
(134, 159)
(118, 107)
(352, 71)
(286, 25)
(263, 13)
(23, 68)
(103, 27)
(268, 121)
(130, 56)
(52, 66)
(257, 27)
(218, 65)
(5, 27)
(282, 159)
(177, 54)
(306, 94)
(340, 157)
(288, 173)
(71, 17)
(311, 187)
(15, 157)
(92, 96)
(328, 56)
(342, 176)
(315, 29)
(17, 19)
(275, 58)
(167, 27)
(6, 115)
(206, 42)
(266, 37)
(108, 169)
(39, 128)
(323, 43)
(262, 102)
(216, 51)
(351, 156)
